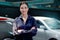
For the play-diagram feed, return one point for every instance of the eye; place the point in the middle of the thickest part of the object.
(21, 7)
(26, 7)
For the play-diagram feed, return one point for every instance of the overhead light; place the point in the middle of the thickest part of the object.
(34, 6)
(48, 6)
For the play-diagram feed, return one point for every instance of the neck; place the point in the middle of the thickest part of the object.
(25, 16)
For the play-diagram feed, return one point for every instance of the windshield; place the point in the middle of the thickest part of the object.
(53, 23)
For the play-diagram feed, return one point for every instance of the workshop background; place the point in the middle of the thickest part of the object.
(48, 8)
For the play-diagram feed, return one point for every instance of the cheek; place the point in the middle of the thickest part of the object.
(26, 10)
(21, 10)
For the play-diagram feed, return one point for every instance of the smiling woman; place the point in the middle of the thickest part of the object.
(24, 26)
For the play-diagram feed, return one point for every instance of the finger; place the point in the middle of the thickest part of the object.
(33, 28)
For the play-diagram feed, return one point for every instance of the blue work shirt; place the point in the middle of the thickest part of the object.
(30, 22)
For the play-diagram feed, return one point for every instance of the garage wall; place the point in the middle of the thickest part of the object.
(14, 12)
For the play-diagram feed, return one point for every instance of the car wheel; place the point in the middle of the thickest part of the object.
(52, 39)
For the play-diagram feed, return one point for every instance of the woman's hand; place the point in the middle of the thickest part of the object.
(25, 31)
(20, 31)
(32, 28)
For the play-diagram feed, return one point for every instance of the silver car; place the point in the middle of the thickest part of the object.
(48, 29)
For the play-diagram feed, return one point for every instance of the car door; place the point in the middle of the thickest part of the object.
(40, 31)
(4, 29)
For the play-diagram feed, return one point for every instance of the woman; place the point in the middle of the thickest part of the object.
(24, 26)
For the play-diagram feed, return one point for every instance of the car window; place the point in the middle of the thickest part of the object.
(39, 23)
(53, 23)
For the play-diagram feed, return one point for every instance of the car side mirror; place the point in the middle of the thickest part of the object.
(42, 27)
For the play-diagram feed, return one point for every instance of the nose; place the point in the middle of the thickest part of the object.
(24, 9)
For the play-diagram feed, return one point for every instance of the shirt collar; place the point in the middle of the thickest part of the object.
(27, 18)
(20, 16)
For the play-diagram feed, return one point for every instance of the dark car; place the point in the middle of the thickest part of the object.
(5, 28)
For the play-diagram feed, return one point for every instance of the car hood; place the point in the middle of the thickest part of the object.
(58, 30)
(55, 31)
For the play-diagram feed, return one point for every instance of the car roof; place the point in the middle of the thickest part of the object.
(42, 18)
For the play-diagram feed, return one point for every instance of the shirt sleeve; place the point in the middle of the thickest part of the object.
(34, 31)
(34, 23)
(14, 28)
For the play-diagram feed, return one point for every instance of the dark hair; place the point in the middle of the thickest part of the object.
(23, 2)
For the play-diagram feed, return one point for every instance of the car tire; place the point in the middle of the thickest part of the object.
(53, 39)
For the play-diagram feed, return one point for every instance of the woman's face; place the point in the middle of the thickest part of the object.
(24, 9)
